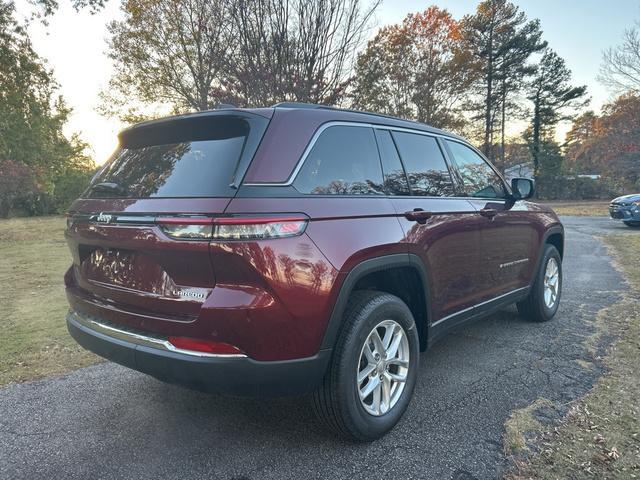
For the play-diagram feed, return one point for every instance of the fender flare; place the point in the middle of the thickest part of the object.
(555, 229)
(362, 269)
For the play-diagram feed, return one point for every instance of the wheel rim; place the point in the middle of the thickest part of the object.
(551, 283)
(383, 368)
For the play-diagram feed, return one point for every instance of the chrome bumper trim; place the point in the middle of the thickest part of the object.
(129, 335)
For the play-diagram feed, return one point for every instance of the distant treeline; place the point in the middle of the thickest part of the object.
(480, 76)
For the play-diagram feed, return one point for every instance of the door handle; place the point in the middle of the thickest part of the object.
(418, 215)
(488, 212)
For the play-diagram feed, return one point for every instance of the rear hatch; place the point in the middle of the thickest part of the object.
(132, 233)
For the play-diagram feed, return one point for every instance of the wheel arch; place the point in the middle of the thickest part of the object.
(388, 273)
(553, 236)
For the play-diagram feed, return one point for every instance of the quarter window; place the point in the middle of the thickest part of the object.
(425, 165)
(343, 161)
(395, 179)
(478, 178)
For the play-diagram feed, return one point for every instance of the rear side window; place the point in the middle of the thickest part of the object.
(478, 178)
(174, 160)
(344, 160)
(425, 165)
(395, 179)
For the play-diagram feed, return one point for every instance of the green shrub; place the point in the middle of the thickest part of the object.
(17, 185)
(571, 187)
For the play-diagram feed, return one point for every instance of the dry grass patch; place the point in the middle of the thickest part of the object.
(584, 208)
(34, 341)
(600, 437)
(523, 422)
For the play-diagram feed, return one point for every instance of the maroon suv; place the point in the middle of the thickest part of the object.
(300, 249)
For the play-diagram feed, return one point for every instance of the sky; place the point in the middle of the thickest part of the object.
(75, 44)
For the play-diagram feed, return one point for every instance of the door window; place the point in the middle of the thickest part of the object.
(343, 161)
(425, 165)
(478, 178)
(395, 178)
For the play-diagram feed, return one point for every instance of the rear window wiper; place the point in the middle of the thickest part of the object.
(110, 187)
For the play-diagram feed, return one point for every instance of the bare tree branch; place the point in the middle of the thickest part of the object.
(620, 68)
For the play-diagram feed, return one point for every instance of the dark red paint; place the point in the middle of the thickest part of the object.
(272, 299)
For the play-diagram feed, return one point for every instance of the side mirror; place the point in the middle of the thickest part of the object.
(522, 188)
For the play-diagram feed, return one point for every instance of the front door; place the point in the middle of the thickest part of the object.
(507, 237)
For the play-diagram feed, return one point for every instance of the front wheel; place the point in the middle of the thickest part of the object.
(632, 224)
(373, 370)
(544, 297)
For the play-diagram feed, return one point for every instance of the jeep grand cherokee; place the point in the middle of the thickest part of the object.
(301, 249)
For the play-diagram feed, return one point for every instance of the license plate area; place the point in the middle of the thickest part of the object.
(128, 270)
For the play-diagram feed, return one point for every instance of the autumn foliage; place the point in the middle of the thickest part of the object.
(609, 144)
(417, 69)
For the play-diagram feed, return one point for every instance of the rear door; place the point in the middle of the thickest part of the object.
(132, 233)
(508, 235)
(438, 227)
(338, 184)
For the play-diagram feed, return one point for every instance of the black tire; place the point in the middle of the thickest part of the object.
(533, 307)
(632, 224)
(337, 402)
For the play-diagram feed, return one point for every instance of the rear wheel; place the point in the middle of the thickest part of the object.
(373, 370)
(544, 298)
(630, 223)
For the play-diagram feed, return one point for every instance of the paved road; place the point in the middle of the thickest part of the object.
(108, 422)
(599, 226)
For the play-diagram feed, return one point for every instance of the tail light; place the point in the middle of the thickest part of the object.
(233, 228)
(187, 228)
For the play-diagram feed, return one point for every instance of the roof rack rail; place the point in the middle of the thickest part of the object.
(297, 105)
(315, 106)
(225, 106)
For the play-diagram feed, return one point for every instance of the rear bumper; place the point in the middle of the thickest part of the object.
(223, 374)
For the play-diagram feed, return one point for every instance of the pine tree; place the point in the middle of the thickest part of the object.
(501, 41)
(554, 99)
(513, 70)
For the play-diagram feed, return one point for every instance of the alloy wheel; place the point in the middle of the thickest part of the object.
(551, 282)
(383, 367)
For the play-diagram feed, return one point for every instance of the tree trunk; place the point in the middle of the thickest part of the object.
(5, 208)
(487, 113)
(503, 121)
(536, 138)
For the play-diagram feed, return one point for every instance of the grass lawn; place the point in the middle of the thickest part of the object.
(596, 208)
(34, 341)
(600, 438)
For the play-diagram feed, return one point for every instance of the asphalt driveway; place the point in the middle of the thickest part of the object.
(109, 422)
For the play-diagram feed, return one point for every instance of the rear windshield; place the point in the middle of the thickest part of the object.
(187, 158)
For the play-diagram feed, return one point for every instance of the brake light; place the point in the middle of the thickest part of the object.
(204, 346)
(257, 228)
(233, 228)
